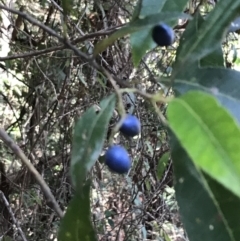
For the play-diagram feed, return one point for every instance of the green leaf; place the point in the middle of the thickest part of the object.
(191, 30)
(137, 10)
(76, 224)
(141, 41)
(166, 237)
(88, 139)
(213, 59)
(162, 164)
(231, 103)
(173, 5)
(209, 34)
(135, 26)
(209, 134)
(220, 82)
(229, 205)
(199, 209)
(150, 7)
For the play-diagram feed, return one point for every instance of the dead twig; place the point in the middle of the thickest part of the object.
(5, 201)
(51, 201)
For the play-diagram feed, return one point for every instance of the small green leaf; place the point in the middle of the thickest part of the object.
(210, 135)
(137, 25)
(162, 164)
(111, 223)
(88, 139)
(209, 34)
(166, 237)
(76, 224)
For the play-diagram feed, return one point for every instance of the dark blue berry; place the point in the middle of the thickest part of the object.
(163, 35)
(131, 126)
(117, 159)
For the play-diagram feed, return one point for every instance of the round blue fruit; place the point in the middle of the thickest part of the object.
(131, 126)
(163, 35)
(117, 159)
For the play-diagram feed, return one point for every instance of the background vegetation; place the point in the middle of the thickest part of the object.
(58, 59)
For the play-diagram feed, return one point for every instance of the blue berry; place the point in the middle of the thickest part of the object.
(117, 159)
(163, 35)
(131, 126)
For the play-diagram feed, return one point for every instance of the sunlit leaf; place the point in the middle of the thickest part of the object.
(210, 136)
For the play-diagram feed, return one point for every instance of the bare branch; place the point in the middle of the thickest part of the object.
(50, 31)
(65, 41)
(56, 48)
(51, 201)
(12, 215)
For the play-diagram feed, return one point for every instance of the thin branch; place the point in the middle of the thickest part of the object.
(50, 31)
(12, 215)
(56, 48)
(51, 201)
(65, 41)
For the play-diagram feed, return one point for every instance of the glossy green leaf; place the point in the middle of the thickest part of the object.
(229, 102)
(220, 82)
(137, 25)
(141, 41)
(209, 134)
(88, 139)
(209, 34)
(232, 104)
(213, 59)
(76, 224)
(201, 210)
